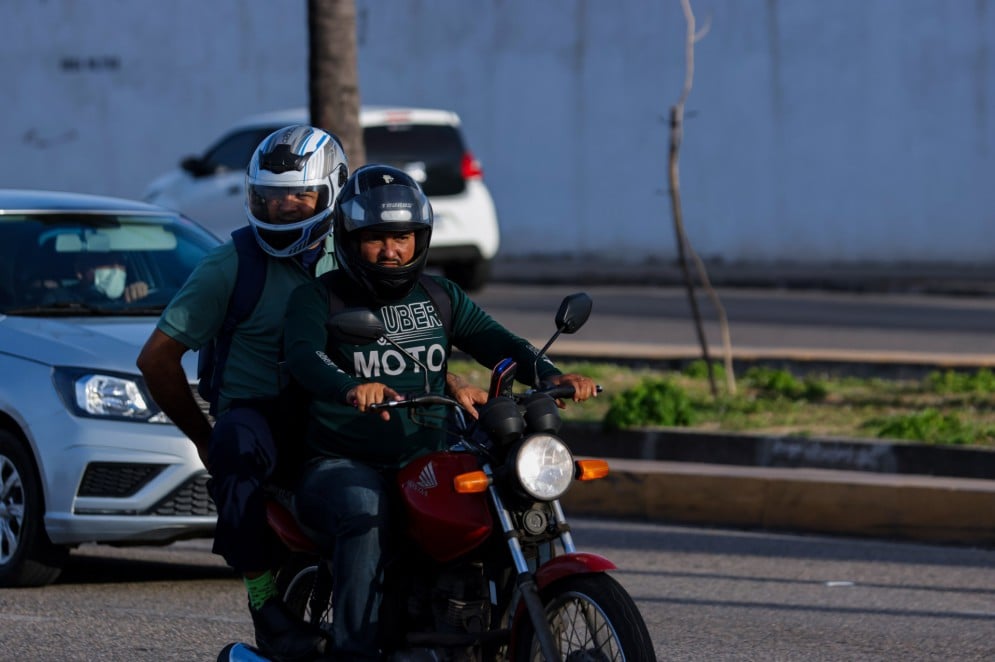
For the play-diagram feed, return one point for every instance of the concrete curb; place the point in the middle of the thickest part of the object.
(836, 486)
(921, 508)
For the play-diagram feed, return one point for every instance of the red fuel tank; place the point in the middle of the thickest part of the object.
(443, 522)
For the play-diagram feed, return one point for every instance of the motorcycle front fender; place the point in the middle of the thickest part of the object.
(575, 563)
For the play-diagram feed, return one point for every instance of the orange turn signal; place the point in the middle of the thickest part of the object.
(471, 483)
(591, 469)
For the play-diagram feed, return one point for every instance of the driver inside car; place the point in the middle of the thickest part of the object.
(105, 276)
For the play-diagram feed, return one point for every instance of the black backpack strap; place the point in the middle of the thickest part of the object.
(442, 301)
(249, 280)
(336, 282)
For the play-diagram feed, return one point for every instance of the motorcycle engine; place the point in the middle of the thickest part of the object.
(460, 601)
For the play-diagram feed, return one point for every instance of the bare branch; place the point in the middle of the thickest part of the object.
(683, 244)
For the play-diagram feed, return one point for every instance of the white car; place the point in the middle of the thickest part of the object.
(85, 455)
(427, 143)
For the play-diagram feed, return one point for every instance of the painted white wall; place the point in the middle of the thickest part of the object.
(847, 131)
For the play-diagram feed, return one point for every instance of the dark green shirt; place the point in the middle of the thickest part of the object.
(329, 370)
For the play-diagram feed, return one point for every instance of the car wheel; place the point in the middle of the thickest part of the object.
(27, 556)
(471, 276)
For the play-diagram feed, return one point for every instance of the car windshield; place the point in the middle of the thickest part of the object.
(63, 263)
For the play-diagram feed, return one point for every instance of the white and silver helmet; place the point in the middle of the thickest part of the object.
(291, 169)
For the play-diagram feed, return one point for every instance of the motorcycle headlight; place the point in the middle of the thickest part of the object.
(544, 466)
(106, 395)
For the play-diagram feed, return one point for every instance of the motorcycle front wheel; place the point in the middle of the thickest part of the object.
(593, 619)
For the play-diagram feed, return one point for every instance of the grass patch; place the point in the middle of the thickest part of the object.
(944, 407)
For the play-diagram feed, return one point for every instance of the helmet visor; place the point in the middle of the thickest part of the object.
(285, 205)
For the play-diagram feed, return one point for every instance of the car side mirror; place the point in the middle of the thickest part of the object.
(195, 166)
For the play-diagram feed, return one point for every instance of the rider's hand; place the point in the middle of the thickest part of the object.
(364, 395)
(135, 291)
(584, 387)
(468, 395)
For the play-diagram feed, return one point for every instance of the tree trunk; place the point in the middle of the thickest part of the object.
(333, 74)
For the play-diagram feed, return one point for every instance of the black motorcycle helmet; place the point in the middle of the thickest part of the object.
(385, 199)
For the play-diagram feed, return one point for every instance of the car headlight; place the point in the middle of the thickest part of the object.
(544, 466)
(106, 395)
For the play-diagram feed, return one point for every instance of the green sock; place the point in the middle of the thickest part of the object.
(261, 589)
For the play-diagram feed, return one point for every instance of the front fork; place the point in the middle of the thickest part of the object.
(525, 578)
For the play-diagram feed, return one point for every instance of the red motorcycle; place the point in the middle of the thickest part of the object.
(491, 571)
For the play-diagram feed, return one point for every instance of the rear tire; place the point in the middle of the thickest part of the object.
(593, 620)
(307, 590)
(27, 556)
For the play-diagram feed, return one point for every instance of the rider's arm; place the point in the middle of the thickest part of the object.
(191, 319)
(468, 395)
(479, 335)
(304, 340)
(160, 363)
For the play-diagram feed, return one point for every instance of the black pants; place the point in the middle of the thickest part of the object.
(243, 457)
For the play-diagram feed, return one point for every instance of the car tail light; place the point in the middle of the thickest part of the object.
(470, 167)
(397, 117)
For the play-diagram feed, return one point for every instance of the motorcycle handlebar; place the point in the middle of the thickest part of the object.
(414, 401)
(564, 391)
(429, 399)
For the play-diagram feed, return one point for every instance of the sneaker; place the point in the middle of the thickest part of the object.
(283, 636)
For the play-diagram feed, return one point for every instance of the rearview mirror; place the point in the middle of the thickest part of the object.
(356, 326)
(573, 312)
(195, 166)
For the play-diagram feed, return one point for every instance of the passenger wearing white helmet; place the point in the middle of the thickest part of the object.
(291, 182)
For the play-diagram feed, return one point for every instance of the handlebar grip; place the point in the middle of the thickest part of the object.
(414, 401)
(564, 391)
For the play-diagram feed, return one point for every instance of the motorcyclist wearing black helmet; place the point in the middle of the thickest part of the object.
(382, 227)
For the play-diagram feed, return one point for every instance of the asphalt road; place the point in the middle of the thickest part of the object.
(706, 594)
(656, 322)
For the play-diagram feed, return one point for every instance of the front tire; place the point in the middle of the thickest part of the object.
(593, 620)
(27, 556)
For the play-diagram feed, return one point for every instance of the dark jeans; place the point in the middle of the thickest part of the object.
(243, 456)
(345, 503)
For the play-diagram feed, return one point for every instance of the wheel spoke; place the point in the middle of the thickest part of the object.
(11, 509)
(580, 627)
(8, 541)
(15, 516)
(11, 480)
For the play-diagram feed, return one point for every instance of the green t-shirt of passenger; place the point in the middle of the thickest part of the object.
(195, 316)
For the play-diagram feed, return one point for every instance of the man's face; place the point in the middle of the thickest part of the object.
(89, 268)
(387, 249)
(285, 205)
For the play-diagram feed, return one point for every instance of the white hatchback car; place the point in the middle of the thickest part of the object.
(85, 455)
(427, 143)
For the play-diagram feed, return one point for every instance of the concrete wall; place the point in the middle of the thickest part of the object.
(847, 131)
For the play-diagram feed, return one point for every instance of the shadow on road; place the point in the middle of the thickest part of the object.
(110, 565)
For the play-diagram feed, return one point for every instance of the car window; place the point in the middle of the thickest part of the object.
(430, 153)
(234, 151)
(88, 262)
